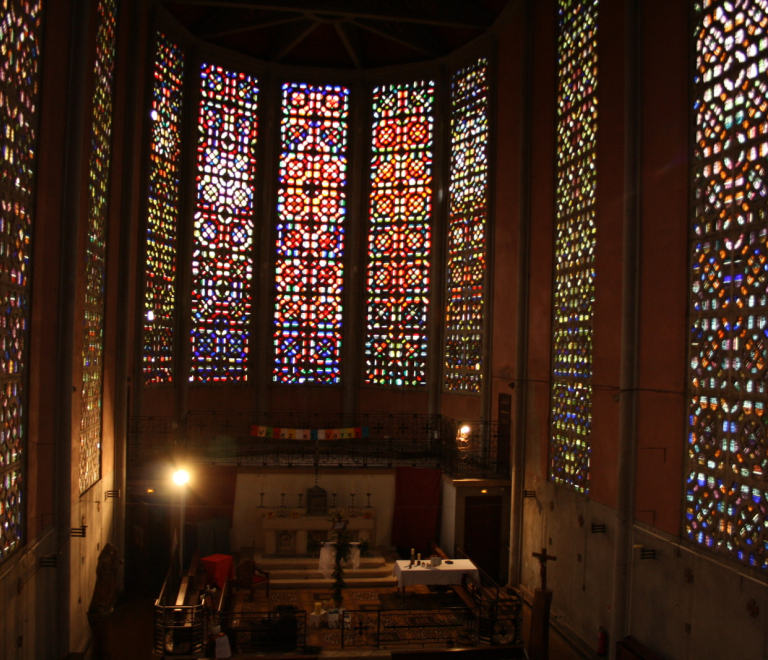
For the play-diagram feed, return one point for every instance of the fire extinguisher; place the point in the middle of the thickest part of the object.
(602, 641)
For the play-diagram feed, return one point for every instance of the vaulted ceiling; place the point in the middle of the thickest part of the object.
(343, 34)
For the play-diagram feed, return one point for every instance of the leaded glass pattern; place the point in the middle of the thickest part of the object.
(468, 208)
(726, 507)
(311, 210)
(399, 237)
(222, 261)
(98, 187)
(163, 213)
(574, 290)
(19, 85)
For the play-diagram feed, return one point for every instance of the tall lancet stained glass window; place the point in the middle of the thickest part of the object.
(163, 212)
(310, 234)
(222, 260)
(468, 207)
(20, 37)
(571, 424)
(727, 468)
(95, 268)
(399, 235)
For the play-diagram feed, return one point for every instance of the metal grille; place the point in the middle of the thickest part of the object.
(391, 441)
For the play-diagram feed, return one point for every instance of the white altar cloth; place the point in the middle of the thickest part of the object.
(444, 574)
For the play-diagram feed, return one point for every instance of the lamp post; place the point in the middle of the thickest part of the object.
(181, 478)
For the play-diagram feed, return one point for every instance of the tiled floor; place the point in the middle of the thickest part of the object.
(133, 623)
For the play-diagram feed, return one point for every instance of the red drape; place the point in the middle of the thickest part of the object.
(417, 506)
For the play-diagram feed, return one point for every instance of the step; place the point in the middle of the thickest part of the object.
(322, 583)
(349, 572)
(289, 563)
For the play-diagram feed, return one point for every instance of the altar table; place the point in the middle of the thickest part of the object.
(328, 558)
(220, 568)
(443, 574)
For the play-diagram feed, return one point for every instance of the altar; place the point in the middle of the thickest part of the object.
(288, 532)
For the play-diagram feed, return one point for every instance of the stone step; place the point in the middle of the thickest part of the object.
(290, 563)
(301, 571)
(321, 583)
(377, 572)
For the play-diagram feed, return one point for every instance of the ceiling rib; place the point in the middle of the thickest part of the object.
(223, 26)
(447, 13)
(351, 39)
(292, 35)
(421, 40)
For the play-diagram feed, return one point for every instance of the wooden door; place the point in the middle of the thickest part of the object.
(482, 533)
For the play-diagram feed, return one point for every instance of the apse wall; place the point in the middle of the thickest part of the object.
(345, 266)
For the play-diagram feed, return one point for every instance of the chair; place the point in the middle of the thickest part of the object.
(249, 576)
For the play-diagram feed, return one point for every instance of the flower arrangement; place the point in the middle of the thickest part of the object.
(343, 551)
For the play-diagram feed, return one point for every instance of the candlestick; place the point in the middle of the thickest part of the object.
(333, 502)
(368, 506)
(300, 496)
(261, 504)
(282, 499)
(352, 497)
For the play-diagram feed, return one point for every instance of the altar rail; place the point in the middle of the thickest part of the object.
(448, 626)
(389, 441)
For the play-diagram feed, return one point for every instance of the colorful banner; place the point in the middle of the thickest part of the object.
(271, 432)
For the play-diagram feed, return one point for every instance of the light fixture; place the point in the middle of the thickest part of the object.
(181, 479)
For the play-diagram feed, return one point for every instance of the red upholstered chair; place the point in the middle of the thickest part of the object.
(249, 576)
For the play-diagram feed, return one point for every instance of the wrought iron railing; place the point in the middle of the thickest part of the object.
(384, 441)
(376, 628)
(179, 629)
(498, 610)
(273, 631)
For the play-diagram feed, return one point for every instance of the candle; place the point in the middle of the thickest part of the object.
(418, 557)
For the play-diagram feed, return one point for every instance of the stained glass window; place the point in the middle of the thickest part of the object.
(399, 237)
(727, 466)
(98, 186)
(222, 261)
(467, 229)
(19, 80)
(574, 244)
(310, 234)
(163, 213)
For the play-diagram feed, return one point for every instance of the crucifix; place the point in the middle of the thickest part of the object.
(543, 557)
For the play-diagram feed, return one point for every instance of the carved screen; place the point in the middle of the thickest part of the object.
(400, 235)
(163, 213)
(467, 229)
(574, 244)
(19, 79)
(222, 260)
(98, 188)
(311, 210)
(728, 350)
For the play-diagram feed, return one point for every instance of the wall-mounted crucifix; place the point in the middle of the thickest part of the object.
(543, 558)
